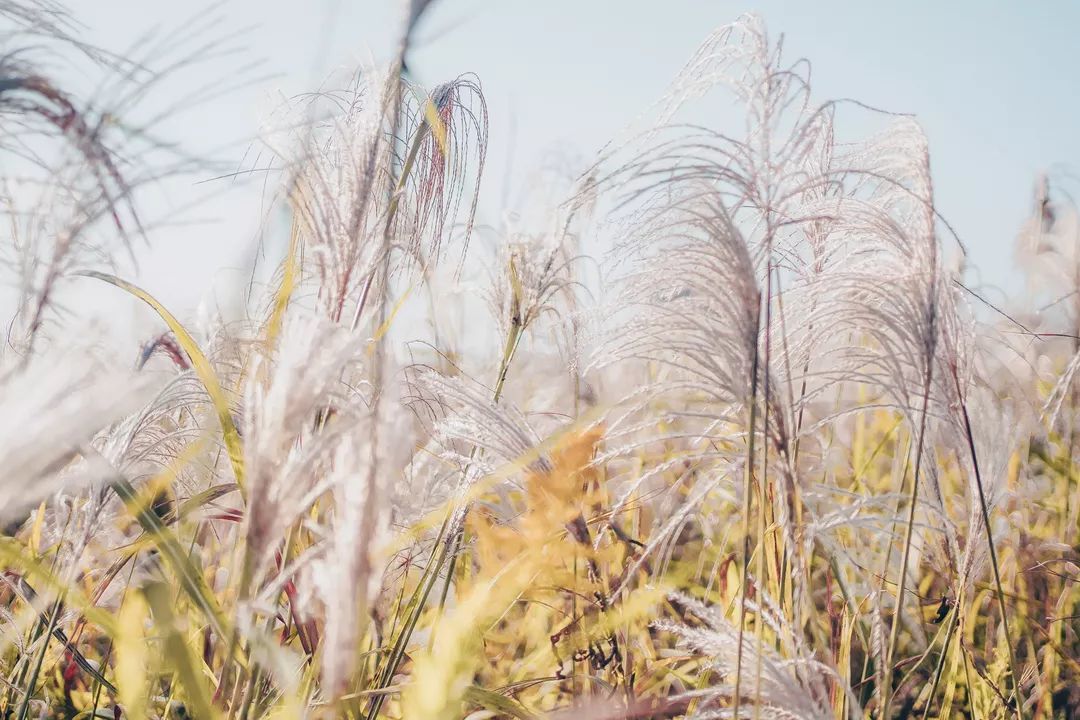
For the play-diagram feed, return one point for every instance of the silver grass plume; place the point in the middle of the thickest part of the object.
(345, 577)
(909, 335)
(471, 435)
(286, 443)
(334, 190)
(355, 179)
(792, 684)
(446, 136)
(765, 185)
(532, 271)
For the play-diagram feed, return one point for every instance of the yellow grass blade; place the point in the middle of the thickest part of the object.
(288, 283)
(35, 530)
(438, 128)
(185, 663)
(132, 656)
(199, 362)
(385, 326)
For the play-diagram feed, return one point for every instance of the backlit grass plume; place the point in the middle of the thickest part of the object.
(736, 438)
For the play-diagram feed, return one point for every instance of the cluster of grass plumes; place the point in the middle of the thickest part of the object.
(789, 467)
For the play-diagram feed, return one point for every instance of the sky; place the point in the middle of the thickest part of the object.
(994, 84)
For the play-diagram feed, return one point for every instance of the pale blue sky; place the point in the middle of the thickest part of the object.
(995, 84)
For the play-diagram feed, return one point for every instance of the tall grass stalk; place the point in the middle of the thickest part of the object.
(750, 459)
(901, 582)
(984, 509)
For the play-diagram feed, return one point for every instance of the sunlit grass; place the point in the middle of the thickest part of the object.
(780, 462)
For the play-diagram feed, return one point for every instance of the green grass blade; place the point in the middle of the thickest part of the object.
(182, 566)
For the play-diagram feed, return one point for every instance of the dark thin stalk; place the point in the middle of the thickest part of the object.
(747, 502)
(763, 484)
(953, 623)
(983, 506)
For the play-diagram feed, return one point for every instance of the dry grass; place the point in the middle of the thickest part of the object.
(781, 462)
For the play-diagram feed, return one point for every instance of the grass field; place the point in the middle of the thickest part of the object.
(736, 438)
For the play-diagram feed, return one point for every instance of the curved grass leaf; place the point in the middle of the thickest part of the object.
(490, 700)
(199, 362)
